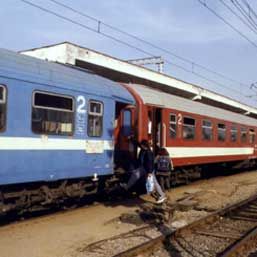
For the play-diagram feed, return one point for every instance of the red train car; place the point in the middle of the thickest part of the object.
(195, 134)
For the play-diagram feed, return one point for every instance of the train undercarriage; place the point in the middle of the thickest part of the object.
(38, 196)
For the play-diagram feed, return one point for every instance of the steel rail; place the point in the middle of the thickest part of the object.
(145, 247)
(245, 242)
(235, 247)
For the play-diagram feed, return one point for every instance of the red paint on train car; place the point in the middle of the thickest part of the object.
(141, 115)
(164, 140)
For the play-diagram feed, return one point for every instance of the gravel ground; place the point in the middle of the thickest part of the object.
(230, 226)
(253, 253)
(67, 234)
(201, 246)
(196, 244)
(116, 245)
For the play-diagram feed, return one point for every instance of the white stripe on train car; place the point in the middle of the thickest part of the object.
(183, 152)
(45, 143)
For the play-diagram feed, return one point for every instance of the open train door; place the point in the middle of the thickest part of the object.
(125, 150)
(156, 128)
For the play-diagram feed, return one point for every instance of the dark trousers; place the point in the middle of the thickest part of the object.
(139, 173)
(164, 181)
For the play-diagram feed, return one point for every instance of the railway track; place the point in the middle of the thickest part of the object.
(228, 232)
(231, 231)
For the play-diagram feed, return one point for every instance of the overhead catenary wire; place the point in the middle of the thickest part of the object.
(227, 23)
(83, 26)
(239, 7)
(244, 12)
(184, 59)
(100, 32)
(132, 46)
(250, 9)
(252, 28)
(87, 27)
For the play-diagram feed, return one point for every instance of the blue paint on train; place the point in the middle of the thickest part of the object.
(33, 165)
(23, 75)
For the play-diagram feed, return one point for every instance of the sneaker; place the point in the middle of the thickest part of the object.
(162, 199)
(154, 195)
(124, 186)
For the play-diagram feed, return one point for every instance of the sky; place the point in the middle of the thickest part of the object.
(183, 27)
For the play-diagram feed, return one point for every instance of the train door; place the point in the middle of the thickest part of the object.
(156, 129)
(125, 150)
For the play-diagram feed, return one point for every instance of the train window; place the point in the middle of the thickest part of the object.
(95, 119)
(188, 128)
(126, 126)
(2, 107)
(233, 134)
(251, 136)
(243, 135)
(221, 132)
(52, 114)
(207, 130)
(173, 126)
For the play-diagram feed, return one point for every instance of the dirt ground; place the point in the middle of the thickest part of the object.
(64, 234)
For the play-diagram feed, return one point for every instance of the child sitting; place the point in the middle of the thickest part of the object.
(163, 167)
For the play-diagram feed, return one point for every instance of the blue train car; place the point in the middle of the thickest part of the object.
(56, 125)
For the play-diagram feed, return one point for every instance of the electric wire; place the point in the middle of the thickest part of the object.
(85, 26)
(131, 46)
(251, 10)
(253, 29)
(242, 11)
(227, 23)
(102, 33)
(248, 17)
(192, 63)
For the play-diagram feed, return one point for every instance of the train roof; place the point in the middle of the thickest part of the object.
(125, 72)
(18, 66)
(158, 98)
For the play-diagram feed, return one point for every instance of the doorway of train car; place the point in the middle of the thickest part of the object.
(155, 128)
(124, 148)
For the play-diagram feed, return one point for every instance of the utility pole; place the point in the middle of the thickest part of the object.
(253, 87)
(156, 60)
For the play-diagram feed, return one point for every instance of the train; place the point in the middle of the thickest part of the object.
(66, 132)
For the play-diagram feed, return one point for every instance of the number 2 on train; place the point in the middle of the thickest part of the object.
(179, 119)
(81, 104)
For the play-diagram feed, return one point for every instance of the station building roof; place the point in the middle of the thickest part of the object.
(18, 66)
(123, 71)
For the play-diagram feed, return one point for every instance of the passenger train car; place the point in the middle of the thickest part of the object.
(63, 130)
(56, 130)
(196, 135)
